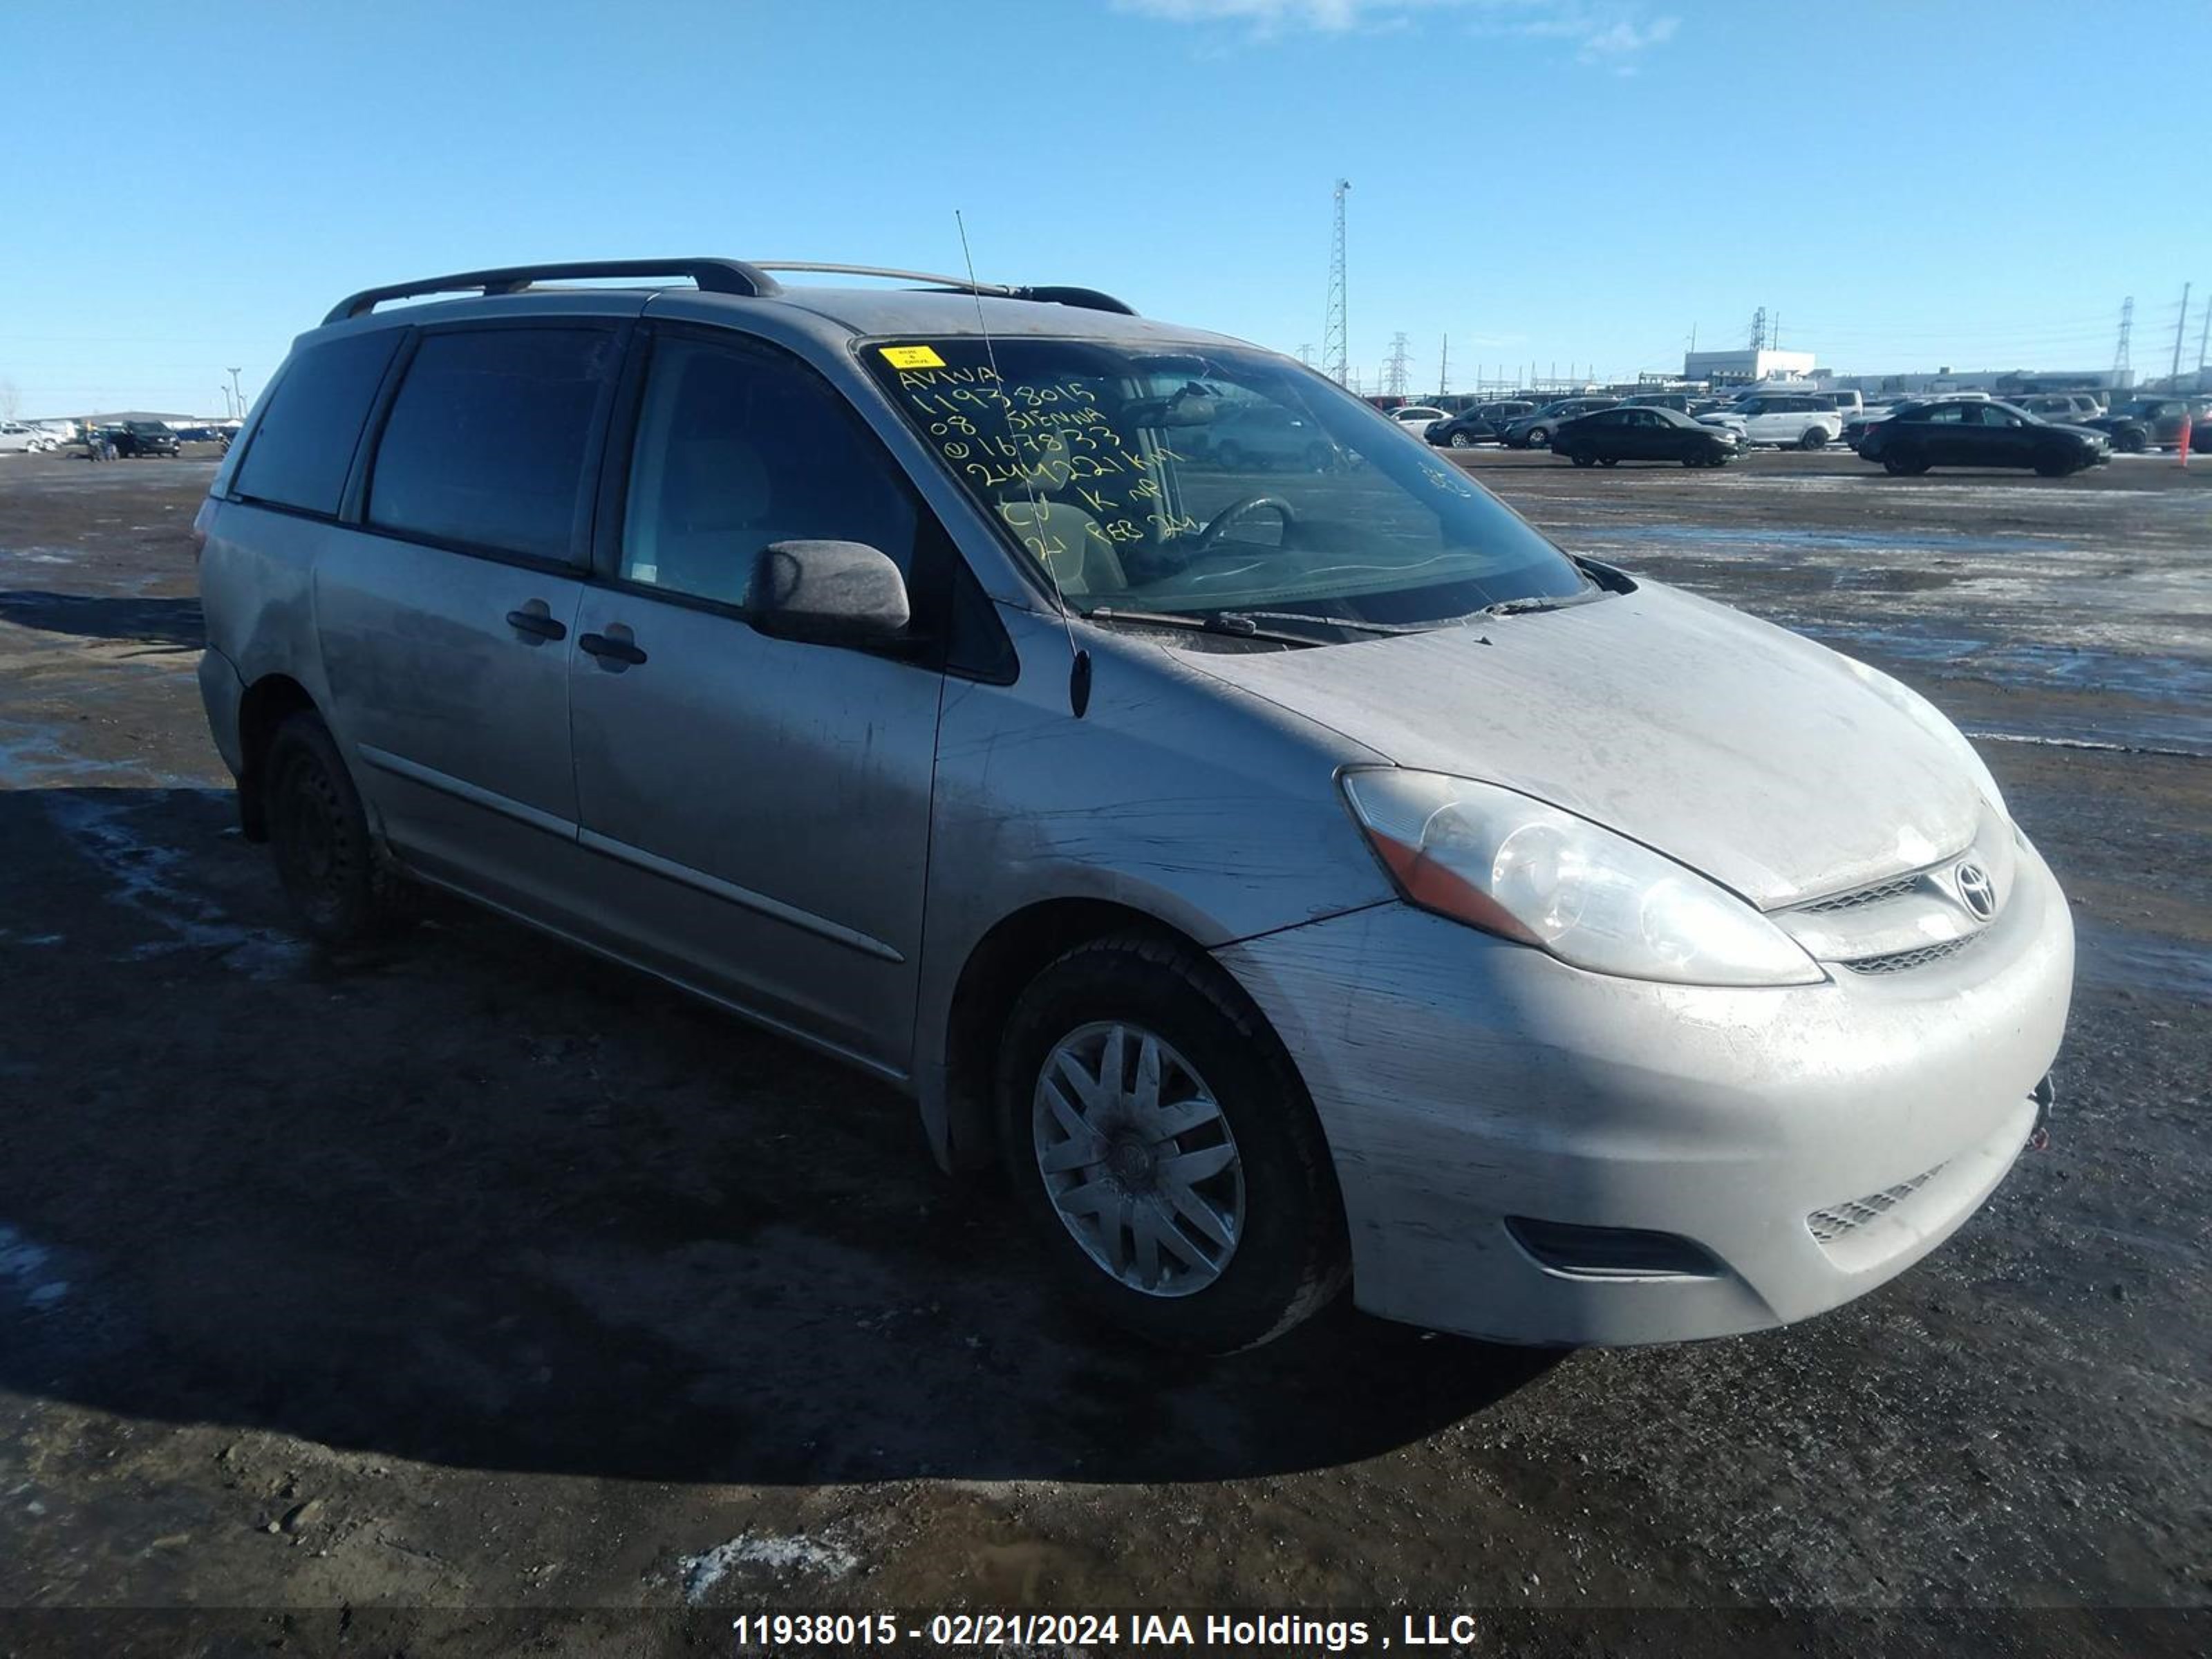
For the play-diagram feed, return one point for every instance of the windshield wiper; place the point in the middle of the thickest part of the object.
(1232, 623)
(1542, 602)
(1352, 623)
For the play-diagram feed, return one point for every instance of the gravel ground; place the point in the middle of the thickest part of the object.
(473, 1274)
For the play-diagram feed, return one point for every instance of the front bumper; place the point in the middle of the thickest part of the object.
(1813, 1141)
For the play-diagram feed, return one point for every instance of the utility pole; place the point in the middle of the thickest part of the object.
(2180, 325)
(237, 397)
(2120, 365)
(1306, 353)
(1444, 363)
(1336, 345)
(2203, 337)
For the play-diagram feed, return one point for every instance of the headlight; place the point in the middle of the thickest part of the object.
(1931, 720)
(1515, 867)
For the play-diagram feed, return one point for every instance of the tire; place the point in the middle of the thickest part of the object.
(1816, 438)
(1286, 1256)
(1538, 438)
(2131, 440)
(341, 887)
(1904, 463)
(1610, 460)
(1461, 440)
(1577, 457)
(1698, 458)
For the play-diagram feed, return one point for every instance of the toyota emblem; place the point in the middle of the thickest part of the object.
(1975, 888)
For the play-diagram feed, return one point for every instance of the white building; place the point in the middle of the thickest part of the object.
(1747, 368)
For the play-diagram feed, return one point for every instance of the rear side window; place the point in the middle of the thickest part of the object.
(486, 443)
(303, 447)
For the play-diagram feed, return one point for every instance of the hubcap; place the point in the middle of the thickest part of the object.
(1137, 1159)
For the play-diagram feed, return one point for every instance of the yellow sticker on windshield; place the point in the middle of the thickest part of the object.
(911, 357)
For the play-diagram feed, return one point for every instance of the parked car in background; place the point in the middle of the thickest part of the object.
(1979, 432)
(2143, 423)
(136, 440)
(1417, 418)
(1484, 423)
(1643, 434)
(1794, 420)
(2067, 408)
(1849, 402)
(16, 439)
(1680, 402)
(1260, 436)
(1534, 430)
(1328, 883)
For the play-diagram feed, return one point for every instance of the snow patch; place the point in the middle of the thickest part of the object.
(145, 878)
(796, 1553)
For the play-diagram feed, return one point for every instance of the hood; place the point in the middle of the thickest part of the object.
(2080, 430)
(1733, 746)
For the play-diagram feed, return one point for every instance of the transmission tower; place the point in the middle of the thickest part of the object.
(2127, 324)
(1758, 329)
(1306, 353)
(1398, 369)
(1335, 344)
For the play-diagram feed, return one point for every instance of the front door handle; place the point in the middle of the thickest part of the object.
(536, 624)
(621, 651)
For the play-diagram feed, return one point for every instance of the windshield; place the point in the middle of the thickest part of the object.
(1212, 481)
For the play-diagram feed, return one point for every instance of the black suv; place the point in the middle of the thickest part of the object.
(135, 439)
(1483, 424)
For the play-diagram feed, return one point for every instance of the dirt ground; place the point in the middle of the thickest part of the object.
(473, 1275)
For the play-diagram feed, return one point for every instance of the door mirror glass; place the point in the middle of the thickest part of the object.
(828, 593)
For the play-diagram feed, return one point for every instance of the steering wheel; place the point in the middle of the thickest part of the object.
(1218, 525)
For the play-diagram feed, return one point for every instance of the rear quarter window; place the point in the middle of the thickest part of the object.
(486, 444)
(303, 447)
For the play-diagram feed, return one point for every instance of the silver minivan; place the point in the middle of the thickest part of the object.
(1293, 880)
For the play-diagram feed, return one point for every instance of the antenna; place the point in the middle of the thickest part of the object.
(1079, 673)
(1336, 349)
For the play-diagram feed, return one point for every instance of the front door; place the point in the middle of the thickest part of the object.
(760, 807)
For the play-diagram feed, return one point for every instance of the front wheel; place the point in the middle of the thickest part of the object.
(1539, 438)
(1578, 458)
(2130, 441)
(338, 882)
(1461, 440)
(1159, 1138)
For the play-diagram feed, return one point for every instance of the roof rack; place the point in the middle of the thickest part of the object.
(1089, 298)
(710, 275)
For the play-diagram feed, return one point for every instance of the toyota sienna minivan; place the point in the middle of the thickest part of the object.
(1295, 879)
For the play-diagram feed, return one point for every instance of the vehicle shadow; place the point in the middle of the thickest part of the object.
(174, 623)
(478, 1200)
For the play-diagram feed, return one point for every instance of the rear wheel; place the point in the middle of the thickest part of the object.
(2131, 440)
(344, 891)
(1159, 1140)
(1904, 463)
(1816, 438)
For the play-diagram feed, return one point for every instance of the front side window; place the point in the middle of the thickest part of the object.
(1211, 480)
(485, 446)
(738, 447)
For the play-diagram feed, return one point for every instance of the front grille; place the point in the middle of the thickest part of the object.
(1900, 962)
(1829, 1225)
(1862, 897)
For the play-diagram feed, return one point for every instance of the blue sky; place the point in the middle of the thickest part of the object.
(1578, 181)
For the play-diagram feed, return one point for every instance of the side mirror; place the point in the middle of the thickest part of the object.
(828, 592)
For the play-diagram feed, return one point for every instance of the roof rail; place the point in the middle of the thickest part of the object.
(1089, 298)
(711, 277)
